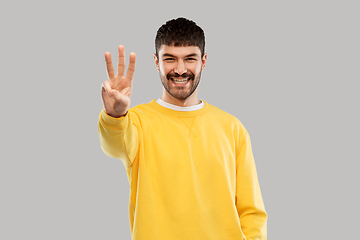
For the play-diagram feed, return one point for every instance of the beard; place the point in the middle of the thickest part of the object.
(180, 92)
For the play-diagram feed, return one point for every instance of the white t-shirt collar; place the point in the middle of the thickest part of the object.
(178, 108)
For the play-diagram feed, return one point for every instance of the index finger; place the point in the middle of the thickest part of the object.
(131, 69)
(109, 65)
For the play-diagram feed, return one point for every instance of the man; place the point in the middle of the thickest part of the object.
(189, 164)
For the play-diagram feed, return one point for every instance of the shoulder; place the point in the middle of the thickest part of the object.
(224, 118)
(223, 115)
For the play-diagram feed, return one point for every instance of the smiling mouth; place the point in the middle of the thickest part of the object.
(180, 80)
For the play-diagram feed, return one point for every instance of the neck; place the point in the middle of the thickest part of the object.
(187, 102)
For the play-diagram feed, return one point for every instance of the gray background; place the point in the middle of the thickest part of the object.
(289, 70)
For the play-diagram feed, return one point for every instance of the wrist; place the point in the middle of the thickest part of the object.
(115, 115)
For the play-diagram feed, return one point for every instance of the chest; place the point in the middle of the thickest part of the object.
(189, 146)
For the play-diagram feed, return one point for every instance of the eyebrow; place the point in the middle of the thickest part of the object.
(170, 55)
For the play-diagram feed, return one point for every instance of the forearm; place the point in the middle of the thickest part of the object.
(249, 202)
(118, 137)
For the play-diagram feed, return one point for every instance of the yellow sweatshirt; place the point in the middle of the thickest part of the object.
(192, 174)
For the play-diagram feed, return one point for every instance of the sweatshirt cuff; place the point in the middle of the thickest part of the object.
(114, 123)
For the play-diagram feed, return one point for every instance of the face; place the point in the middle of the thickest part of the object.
(180, 69)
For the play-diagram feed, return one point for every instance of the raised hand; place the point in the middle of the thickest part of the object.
(116, 91)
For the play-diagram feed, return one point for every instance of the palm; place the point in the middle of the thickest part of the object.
(116, 91)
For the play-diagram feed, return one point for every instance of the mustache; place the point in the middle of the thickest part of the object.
(184, 75)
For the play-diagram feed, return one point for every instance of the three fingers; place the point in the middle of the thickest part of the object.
(121, 64)
(106, 86)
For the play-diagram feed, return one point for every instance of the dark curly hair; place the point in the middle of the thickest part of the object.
(180, 32)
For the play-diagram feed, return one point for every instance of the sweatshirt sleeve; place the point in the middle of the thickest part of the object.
(249, 202)
(118, 137)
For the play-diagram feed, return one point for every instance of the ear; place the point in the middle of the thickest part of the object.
(204, 59)
(156, 60)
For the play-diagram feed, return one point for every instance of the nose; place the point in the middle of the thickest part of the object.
(180, 68)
